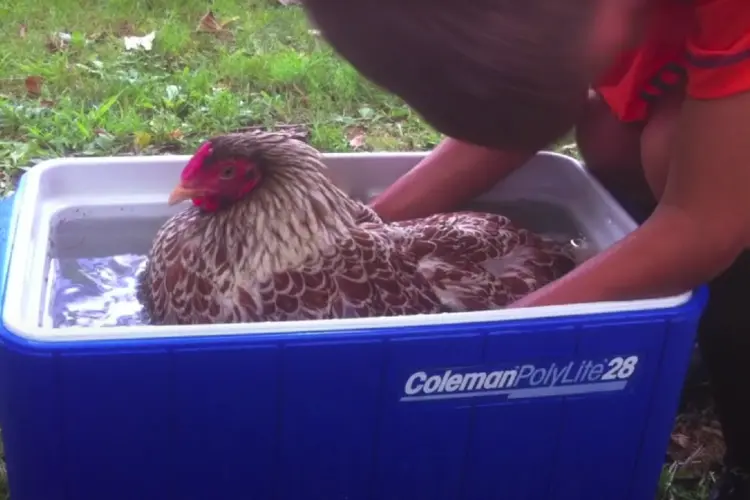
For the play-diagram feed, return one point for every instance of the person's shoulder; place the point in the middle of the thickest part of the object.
(718, 48)
(720, 24)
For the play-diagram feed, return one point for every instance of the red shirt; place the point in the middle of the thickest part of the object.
(701, 44)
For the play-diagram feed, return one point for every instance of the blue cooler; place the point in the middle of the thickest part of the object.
(564, 402)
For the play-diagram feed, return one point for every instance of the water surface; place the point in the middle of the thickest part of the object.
(96, 291)
(95, 262)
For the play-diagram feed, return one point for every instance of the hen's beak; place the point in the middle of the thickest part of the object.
(181, 193)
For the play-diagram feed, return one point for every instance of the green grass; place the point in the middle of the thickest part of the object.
(265, 68)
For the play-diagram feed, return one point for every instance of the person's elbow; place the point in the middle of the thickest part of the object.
(721, 247)
(712, 247)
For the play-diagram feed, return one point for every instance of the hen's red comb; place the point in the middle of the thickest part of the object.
(197, 160)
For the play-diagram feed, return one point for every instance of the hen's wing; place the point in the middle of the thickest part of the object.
(443, 263)
(363, 276)
(479, 261)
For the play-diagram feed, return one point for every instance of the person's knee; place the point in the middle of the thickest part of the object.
(606, 144)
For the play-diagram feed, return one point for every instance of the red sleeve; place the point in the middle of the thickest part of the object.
(718, 49)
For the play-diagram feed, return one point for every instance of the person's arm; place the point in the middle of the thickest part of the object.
(454, 173)
(701, 225)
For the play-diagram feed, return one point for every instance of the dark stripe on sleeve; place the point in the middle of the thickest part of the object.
(717, 61)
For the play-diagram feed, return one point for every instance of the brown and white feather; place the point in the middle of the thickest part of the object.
(298, 247)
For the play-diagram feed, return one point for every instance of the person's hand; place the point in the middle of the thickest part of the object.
(453, 174)
(700, 227)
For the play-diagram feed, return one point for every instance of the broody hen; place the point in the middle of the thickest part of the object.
(269, 237)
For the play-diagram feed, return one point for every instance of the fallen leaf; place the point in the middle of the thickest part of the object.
(22, 31)
(145, 42)
(356, 136)
(34, 86)
(125, 28)
(210, 24)
(46, 103)
(357, 141)
(681, 440)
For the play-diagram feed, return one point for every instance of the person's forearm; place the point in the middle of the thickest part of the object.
(453, 174)
(668, 255)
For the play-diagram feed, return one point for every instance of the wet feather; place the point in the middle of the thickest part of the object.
(297, 247)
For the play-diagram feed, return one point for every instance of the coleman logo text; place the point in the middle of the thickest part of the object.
(522, 381)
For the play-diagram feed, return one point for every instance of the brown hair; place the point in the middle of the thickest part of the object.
(498, 73)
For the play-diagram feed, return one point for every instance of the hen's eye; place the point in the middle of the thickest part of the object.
(227, 173)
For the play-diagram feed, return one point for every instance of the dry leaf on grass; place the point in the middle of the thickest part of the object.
(696, 445)
(125, 28)
(210, 24)
(22, 29)
(176, 135)
(18, 88)
(356, 137)
(681, 440)
(34, 86)
(357, 141)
